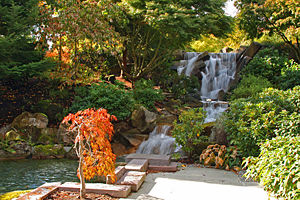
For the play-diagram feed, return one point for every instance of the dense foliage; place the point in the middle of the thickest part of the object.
(249, 86)
(277, 167)
(117, 101)
(19, 58)
(271, 16)
(253, 120)
(145, 94)
(188, 131)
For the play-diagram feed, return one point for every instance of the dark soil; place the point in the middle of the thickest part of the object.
(63, 195)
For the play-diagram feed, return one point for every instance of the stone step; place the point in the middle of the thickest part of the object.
(119, 191)
(153, 159)
(167, 168)
(41, 192)
(133, 178)
(140, 165)
(119, 171)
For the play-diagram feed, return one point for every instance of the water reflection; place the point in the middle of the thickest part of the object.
(29, 174)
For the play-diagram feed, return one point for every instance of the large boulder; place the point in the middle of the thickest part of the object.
(26, 119)
(52, 110)
(143, 120)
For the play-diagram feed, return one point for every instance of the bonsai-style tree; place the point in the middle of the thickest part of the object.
(94, 132)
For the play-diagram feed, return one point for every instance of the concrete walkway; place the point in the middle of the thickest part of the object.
(193, 183)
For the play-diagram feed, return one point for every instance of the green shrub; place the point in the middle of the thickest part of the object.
(250, 85)
(117, 101)
(253, 120)
(145, 95)
(290, 76)
(277, 167)
(188, 132)
(267, 63)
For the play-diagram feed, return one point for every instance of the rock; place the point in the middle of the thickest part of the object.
(143, 120)
(49, 136)
(49, 150)
(204, 56)
(221, 95)
(121, 127)
(138, 118)
(166, 119)
(118, 149)
(4, 130)
(67, 137)
(21, 149)
(12, 135)
(26, 119)
(135, 139)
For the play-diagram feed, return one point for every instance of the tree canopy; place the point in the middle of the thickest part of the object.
(272, 16)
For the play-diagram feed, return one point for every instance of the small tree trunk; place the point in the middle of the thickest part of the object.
(82, 182)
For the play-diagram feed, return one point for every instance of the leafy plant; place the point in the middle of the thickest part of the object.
(290, 75)
(117, 101)
(250, 85)
(268, 64)
(253, 120)
(220, 156)
(94, 132)
(277, 167)
(145, 94)
(188, 132)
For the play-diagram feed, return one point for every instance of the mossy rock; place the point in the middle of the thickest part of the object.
(49, 150)
(49, 136)
(12, 195)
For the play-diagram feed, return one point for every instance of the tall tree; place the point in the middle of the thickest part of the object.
(19, 58)
(82, 26)
(272, 16)
(159, 27)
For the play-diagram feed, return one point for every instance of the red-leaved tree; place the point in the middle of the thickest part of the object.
(94, 132)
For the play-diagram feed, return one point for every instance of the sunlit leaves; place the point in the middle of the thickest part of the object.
(95, 130)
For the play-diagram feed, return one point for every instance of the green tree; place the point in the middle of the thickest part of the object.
(19, 58)
(272, 16)
(155, 29)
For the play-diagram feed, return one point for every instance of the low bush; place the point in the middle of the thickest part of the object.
(251, 121)
(117, 101)
(220, 156)
(188, 132)
(290, 76)
(145, 94)
(250, 85)
(267, 63)
(277, 167)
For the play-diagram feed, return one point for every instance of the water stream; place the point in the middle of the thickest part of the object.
(219, 72)
(159, 142)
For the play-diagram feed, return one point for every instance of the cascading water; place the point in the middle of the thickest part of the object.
(219, 71)
(158, 143)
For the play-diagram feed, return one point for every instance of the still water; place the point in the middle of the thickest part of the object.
(29, 174)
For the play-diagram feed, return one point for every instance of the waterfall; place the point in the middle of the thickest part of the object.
(159, 142)
(219, 72)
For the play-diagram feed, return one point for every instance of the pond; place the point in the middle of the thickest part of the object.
(29, 174)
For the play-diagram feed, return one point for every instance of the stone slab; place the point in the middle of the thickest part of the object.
(119, 191)
(153, 159)
(41, 192)
(133, 178)
(167, 168)
(140, 165)
(119, 171)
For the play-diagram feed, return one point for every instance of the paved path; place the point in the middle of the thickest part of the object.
(194, 183)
